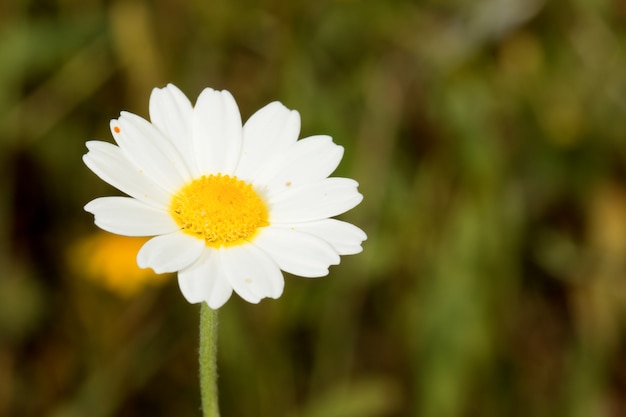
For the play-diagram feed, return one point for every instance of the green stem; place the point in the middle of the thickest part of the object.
(208, 361)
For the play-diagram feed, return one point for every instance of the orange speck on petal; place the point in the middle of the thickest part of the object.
(116, 129)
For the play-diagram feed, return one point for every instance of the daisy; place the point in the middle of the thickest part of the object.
(229, 205)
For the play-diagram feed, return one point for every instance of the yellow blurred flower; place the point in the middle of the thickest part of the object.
(110, 261)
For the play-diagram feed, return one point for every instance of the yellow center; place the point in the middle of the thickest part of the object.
(222, 210)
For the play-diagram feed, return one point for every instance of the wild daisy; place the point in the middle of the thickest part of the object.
(229, 205)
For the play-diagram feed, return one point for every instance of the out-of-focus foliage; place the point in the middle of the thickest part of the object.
(489, 139)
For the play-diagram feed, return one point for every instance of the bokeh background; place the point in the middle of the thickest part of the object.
(489, 141)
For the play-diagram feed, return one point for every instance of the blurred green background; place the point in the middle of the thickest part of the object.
(489, 141)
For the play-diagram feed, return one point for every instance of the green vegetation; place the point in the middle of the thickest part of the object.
(489, 141)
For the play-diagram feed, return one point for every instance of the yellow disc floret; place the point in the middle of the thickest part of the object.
(222, 210)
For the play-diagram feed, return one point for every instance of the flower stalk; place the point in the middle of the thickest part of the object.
(208, 361)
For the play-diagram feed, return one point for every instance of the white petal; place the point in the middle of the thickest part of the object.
(170, 253)
(271, 130)
(151, 153)
(297, 253)
(344, 237)
(217, 132)
(129, 217)
(171, 112)
(109, 163)
(252, 273)
(205, 281)
(314, 201)
(310, 159)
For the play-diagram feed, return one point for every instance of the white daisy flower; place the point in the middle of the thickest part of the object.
(229, 206)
